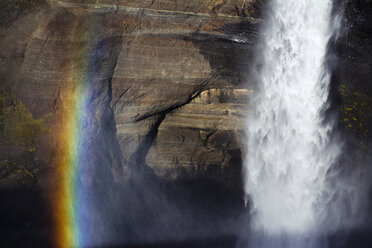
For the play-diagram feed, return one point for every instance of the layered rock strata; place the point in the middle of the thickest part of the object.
(169, 78)
(157, 73)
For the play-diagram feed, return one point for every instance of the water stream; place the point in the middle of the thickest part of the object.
(289, 148)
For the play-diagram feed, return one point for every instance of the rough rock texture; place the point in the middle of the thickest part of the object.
(165, 68)
(168, 79)
(166, 88)
(214, 7)
(352, 74)
(53, 49)
(167, 82)
(202, 137)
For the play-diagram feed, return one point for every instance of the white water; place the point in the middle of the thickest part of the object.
(289, 151)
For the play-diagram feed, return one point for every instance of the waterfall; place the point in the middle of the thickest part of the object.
(289, 148)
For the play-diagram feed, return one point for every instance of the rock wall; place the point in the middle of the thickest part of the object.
(352, 74)
(170, 79)
(168, 83)
(242, 8)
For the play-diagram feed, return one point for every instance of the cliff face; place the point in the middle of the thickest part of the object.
(175, 76)
(352, 73)
(168, 82)
(209, 7)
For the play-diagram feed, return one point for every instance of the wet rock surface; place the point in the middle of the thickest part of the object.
(145, 68)
(169, 86)
(153, 76)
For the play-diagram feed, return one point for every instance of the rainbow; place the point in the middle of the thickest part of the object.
(68, 231)
(71, 204)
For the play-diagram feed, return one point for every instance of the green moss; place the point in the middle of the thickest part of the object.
(24, 176)
(31, 150)
(17, 125)
(29, 174)
(354, 112)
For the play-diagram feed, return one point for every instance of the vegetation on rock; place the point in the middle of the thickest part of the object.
(354, 112)
(17, 125)
(11, 171)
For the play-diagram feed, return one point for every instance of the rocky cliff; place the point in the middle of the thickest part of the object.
(169, 81)
(352, 73)
(168, 84)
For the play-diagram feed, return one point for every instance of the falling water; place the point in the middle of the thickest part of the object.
(289, 149)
